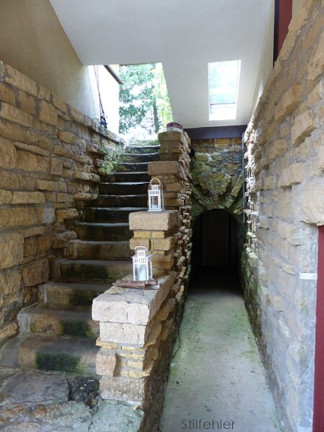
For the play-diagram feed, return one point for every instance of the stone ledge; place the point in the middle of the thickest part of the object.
(154, 221)
(131, 306)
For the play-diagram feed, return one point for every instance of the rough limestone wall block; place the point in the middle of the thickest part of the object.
(48, 161)
(285, 196)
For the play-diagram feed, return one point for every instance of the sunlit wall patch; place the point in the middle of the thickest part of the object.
(223, 85)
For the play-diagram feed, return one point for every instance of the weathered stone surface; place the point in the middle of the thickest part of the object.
(5, 197)
(15, 115)
(17, 79)
(11, 250)
(48, 113)
(18, 216)
(303, 126)
(27, 198)
(123, 388)
(312, 202)
(8, 154)
(157, 221)
(106, 363)
(293, 174)
(114, 416)
(32, 387)
(35, 272)
(159, 168)
(132, 306)
(8, 330)
(288, 102)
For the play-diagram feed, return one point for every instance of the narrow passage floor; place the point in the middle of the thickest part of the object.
(217, 381)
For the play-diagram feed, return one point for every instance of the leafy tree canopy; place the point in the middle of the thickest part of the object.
(144, 101)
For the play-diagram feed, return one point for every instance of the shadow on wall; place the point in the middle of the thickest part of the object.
(217, 243)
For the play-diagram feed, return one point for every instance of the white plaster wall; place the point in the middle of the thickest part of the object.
(33, 41)
(266, 62)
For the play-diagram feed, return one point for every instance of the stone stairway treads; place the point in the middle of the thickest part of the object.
(139, 157)
(66, 295)
(109, 214)
(121, 201)
(58, 333)
(63, 322)
(143, 149)
(101, 250)
(103, 231)
(127, 177)
(132, 166)
(90, 270)
(123, 188)
(69, 354)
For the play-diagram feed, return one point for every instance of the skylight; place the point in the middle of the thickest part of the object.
(223, 83)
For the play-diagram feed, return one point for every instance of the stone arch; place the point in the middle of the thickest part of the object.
(217, 176)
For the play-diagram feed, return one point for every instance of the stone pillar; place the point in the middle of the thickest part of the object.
(158, 232)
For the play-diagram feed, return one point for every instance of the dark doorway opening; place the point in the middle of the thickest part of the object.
(217, 244)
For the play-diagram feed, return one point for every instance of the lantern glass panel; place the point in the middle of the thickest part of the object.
(155, 202)
(141, 272)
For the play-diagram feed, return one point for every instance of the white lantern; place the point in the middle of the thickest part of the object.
(155, 195)
(142, 264)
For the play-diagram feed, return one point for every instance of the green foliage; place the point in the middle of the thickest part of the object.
(144, 102)
(111, 161)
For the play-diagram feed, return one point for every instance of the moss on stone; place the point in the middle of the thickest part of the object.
(58, 361)
(77, 328)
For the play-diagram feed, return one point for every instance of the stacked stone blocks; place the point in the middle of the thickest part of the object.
(49, 157)
(285, 191)
(138, 327)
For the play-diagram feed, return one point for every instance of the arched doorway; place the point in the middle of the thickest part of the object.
(217, 242)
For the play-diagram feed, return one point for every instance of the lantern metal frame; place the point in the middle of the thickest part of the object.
(155, 196)
(142, 264)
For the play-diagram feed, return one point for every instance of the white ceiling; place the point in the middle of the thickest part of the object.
(182, 34)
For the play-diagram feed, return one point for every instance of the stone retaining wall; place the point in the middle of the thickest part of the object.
(285, 185)
(49, 156)
(138, 327)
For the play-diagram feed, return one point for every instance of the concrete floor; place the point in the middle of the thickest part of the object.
(217, 381)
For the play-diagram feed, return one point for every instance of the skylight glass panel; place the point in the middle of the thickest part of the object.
(223, 80)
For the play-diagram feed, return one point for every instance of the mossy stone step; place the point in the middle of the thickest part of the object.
(126, 177)
(46, 321)
(87, 270)
(132, 166)
(59, 294)
(123, 188)
(120, 201)
(140, 157)
(99, 250)
(57, 353)
(143, 149)
(113, 214)
(102, 231)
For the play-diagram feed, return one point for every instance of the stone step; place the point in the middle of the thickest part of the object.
(106, 214)
(103, 231)
(127, 177)
(46, 321)
(59, 294)
(140, 157)
(143, 149)
(132, 166)
(65, 270)
(56, 353)
(101, 250)
(120, 201)
(123, 188)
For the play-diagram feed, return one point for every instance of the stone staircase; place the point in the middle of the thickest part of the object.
(58, 332)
